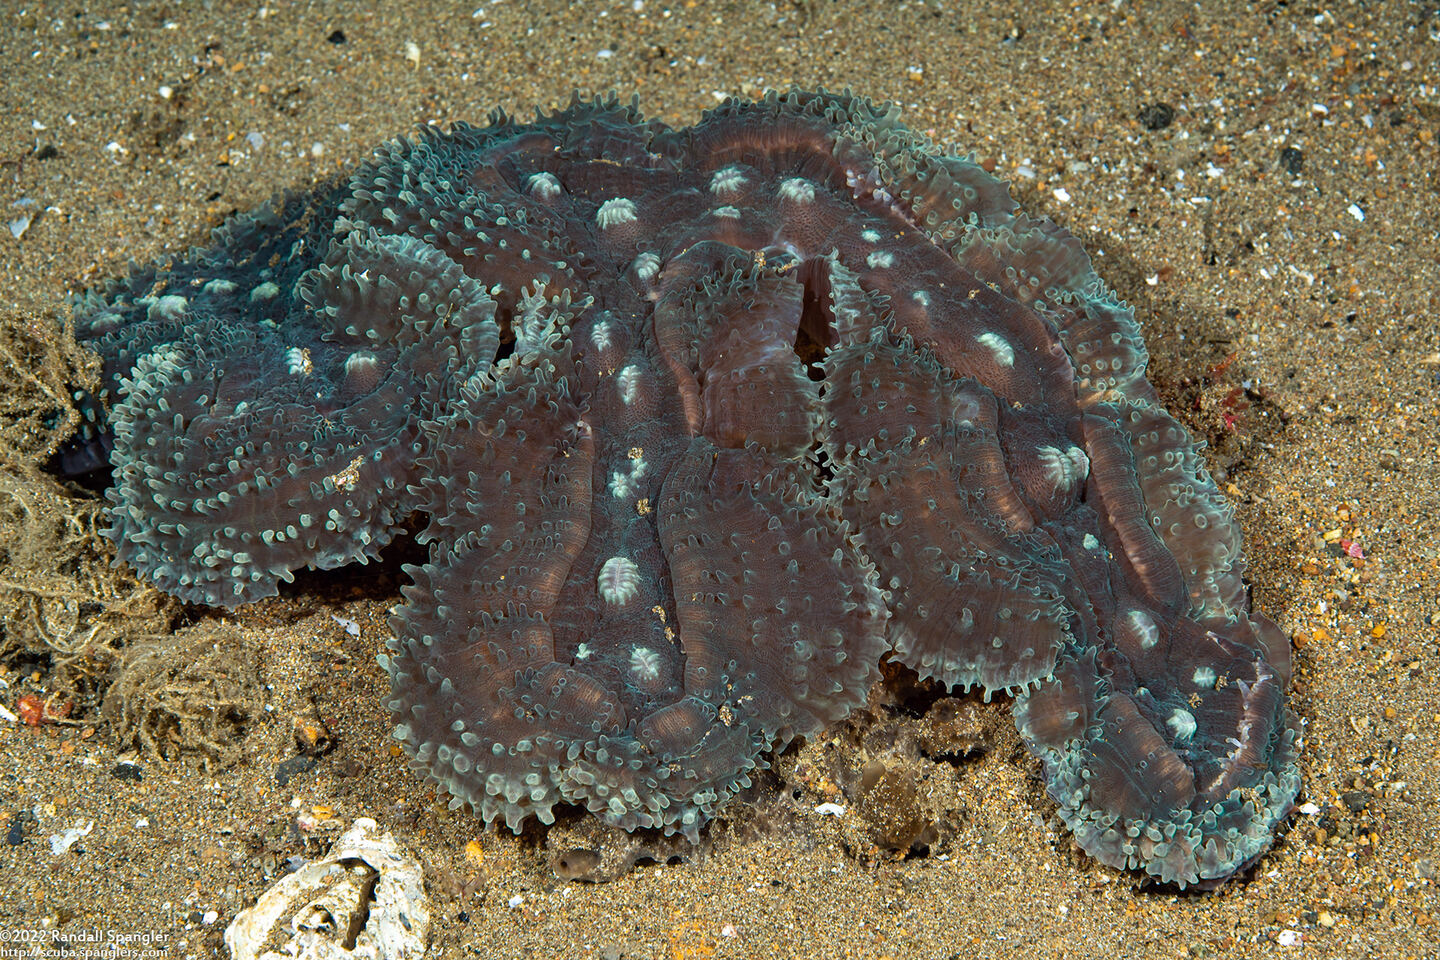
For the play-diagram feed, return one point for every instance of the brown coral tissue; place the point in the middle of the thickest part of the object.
(702, 423)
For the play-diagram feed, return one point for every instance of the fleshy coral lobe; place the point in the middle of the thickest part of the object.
(704, 422)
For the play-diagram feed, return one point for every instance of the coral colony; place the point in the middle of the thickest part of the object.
(702, 424)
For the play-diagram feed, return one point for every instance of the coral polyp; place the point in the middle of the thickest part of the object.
(700, 424)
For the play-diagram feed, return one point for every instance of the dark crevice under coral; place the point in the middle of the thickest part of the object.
(700, 423)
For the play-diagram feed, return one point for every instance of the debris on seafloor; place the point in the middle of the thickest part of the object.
(67, 838)
(365, 901)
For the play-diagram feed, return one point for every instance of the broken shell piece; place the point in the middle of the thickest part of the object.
(365, 900)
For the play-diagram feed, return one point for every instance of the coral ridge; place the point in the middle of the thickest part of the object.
(703, 422)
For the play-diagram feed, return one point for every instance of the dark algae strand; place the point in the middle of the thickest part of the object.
(698, 425)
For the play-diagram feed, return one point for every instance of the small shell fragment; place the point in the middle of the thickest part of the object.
(366, 882)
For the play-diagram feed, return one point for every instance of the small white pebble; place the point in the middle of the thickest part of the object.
(830, 810)
(351, 627)
(514, 901)
(1062, 194)
(1356, 212)
(67, 838)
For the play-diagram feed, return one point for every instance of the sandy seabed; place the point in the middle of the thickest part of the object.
(1258, 180)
